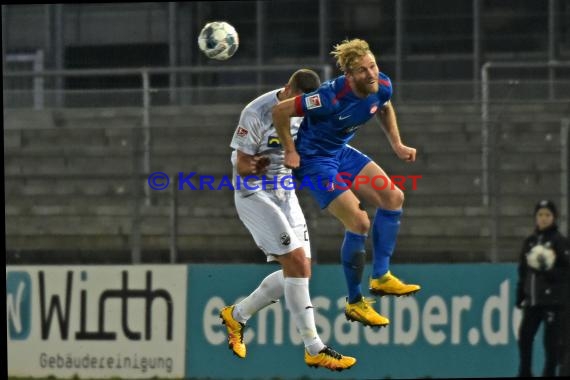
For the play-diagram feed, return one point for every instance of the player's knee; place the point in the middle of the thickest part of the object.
(400, 198)
(395, 200)
(297, 264)
(360, 223)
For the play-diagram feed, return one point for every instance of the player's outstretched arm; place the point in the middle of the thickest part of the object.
(387, 117)
(282, 112)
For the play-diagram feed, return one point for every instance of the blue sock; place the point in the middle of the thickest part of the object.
(384, 233)
(352, 255)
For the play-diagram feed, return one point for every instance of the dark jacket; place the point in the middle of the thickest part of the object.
(544, 288)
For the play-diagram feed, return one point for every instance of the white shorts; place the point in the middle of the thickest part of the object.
(275, 220)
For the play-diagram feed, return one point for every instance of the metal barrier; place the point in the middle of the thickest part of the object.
(198, 85)
(15, 63)
(218, 83)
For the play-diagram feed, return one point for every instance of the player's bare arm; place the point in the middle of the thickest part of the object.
(248, 164)
(387, 117)
(282, 112)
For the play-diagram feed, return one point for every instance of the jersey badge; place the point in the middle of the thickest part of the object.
(285, 238)
(273, 142)
(241, 132)
(313, 101)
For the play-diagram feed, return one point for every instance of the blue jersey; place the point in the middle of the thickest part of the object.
(333, 113)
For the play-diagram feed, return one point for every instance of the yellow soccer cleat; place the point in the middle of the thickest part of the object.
(235, 331)
(362, 312)
(329, 358)
(389, 284)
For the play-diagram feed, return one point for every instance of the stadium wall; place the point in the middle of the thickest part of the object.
(162, 321)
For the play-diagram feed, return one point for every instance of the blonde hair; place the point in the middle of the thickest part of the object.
(348, 52)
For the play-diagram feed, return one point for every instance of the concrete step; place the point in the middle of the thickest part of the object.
(544, 161)
(23, 118)
(221, 205)
(198, 124)
(40, 151)
(24, 201)
(66, 166)
(109, 225)
(12, 139)
(67, 249)
(526, 201)
(119, 147)
(67, 186)
(64, 137)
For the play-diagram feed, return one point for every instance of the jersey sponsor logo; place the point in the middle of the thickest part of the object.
(349, 130)
(342, 117)
(273, 142)
(313, 101)
(285, 238)
(374, 108)
(241, 132)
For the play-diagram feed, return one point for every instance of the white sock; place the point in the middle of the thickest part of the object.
(268, 292)
(299, 303)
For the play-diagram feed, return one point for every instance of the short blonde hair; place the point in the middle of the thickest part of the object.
(348, 52)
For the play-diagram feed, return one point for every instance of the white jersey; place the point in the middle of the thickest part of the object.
(255, 134)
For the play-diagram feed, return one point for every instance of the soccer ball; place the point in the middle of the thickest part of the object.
(218, 40)
(541, 258)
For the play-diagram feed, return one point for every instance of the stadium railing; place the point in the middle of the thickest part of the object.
(529, 108)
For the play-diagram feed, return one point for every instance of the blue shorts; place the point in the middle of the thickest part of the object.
(328, 177)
